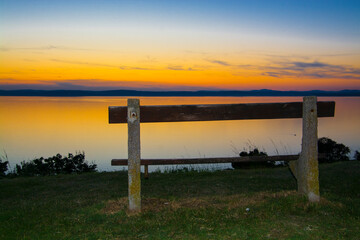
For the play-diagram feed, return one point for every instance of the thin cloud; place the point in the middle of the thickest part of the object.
(6, 80)
(310, 65)
(84, 63)
(271, 74)
(223, 63)
(245, 66)
(313, 69)
(181, 68)
(135, 68)
(101, 65)
(171, 67)
(234, 66)
(337, 55)
(175, 68)
(46, 48)
(72, 84)
(98, 84)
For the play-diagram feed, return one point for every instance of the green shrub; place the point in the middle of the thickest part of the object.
(333, 151)
(357, 155)
(55, 165)
(3, 167)
(255, 152)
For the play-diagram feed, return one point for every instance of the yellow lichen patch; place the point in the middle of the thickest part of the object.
(313, 178)
(134, 189)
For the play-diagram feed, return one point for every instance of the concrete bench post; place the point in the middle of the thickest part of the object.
(307, 165)
(133, 121)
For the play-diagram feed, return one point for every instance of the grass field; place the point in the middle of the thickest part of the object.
(230, 204)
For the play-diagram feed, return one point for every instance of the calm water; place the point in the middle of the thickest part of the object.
(32, 127)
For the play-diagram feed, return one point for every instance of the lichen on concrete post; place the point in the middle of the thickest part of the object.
(307, 167)
(133, 119)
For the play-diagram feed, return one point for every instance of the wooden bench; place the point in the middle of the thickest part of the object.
(303, 166)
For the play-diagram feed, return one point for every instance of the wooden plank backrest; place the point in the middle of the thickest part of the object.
(218, 112)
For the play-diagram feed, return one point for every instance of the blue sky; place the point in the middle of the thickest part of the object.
(308, 17)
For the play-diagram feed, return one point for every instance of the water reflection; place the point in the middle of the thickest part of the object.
(39, 126)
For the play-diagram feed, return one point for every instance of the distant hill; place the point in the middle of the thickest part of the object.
(262, 92)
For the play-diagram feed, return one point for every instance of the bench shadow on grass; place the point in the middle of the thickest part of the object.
(203, 189)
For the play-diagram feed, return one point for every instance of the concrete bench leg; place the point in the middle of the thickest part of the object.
(133, 119)
(306, 168)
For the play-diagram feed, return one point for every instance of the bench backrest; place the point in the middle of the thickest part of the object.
(216, 112)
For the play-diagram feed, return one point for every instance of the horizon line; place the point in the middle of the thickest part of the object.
(177, 93)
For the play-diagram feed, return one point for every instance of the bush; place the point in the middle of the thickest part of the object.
(357, 155)
(333, 151)
(3, 167)
(255, 152)
(55, 165)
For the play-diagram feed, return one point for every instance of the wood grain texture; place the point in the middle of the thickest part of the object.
(219, 112)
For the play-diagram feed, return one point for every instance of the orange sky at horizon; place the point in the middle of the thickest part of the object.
(184, 71)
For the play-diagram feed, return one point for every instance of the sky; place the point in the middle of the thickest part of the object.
(180, 45)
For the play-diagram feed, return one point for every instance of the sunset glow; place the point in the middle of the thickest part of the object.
(173, 45)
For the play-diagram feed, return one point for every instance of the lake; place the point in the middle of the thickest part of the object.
(32, 127)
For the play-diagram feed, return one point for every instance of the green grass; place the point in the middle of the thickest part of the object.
(183, 205)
